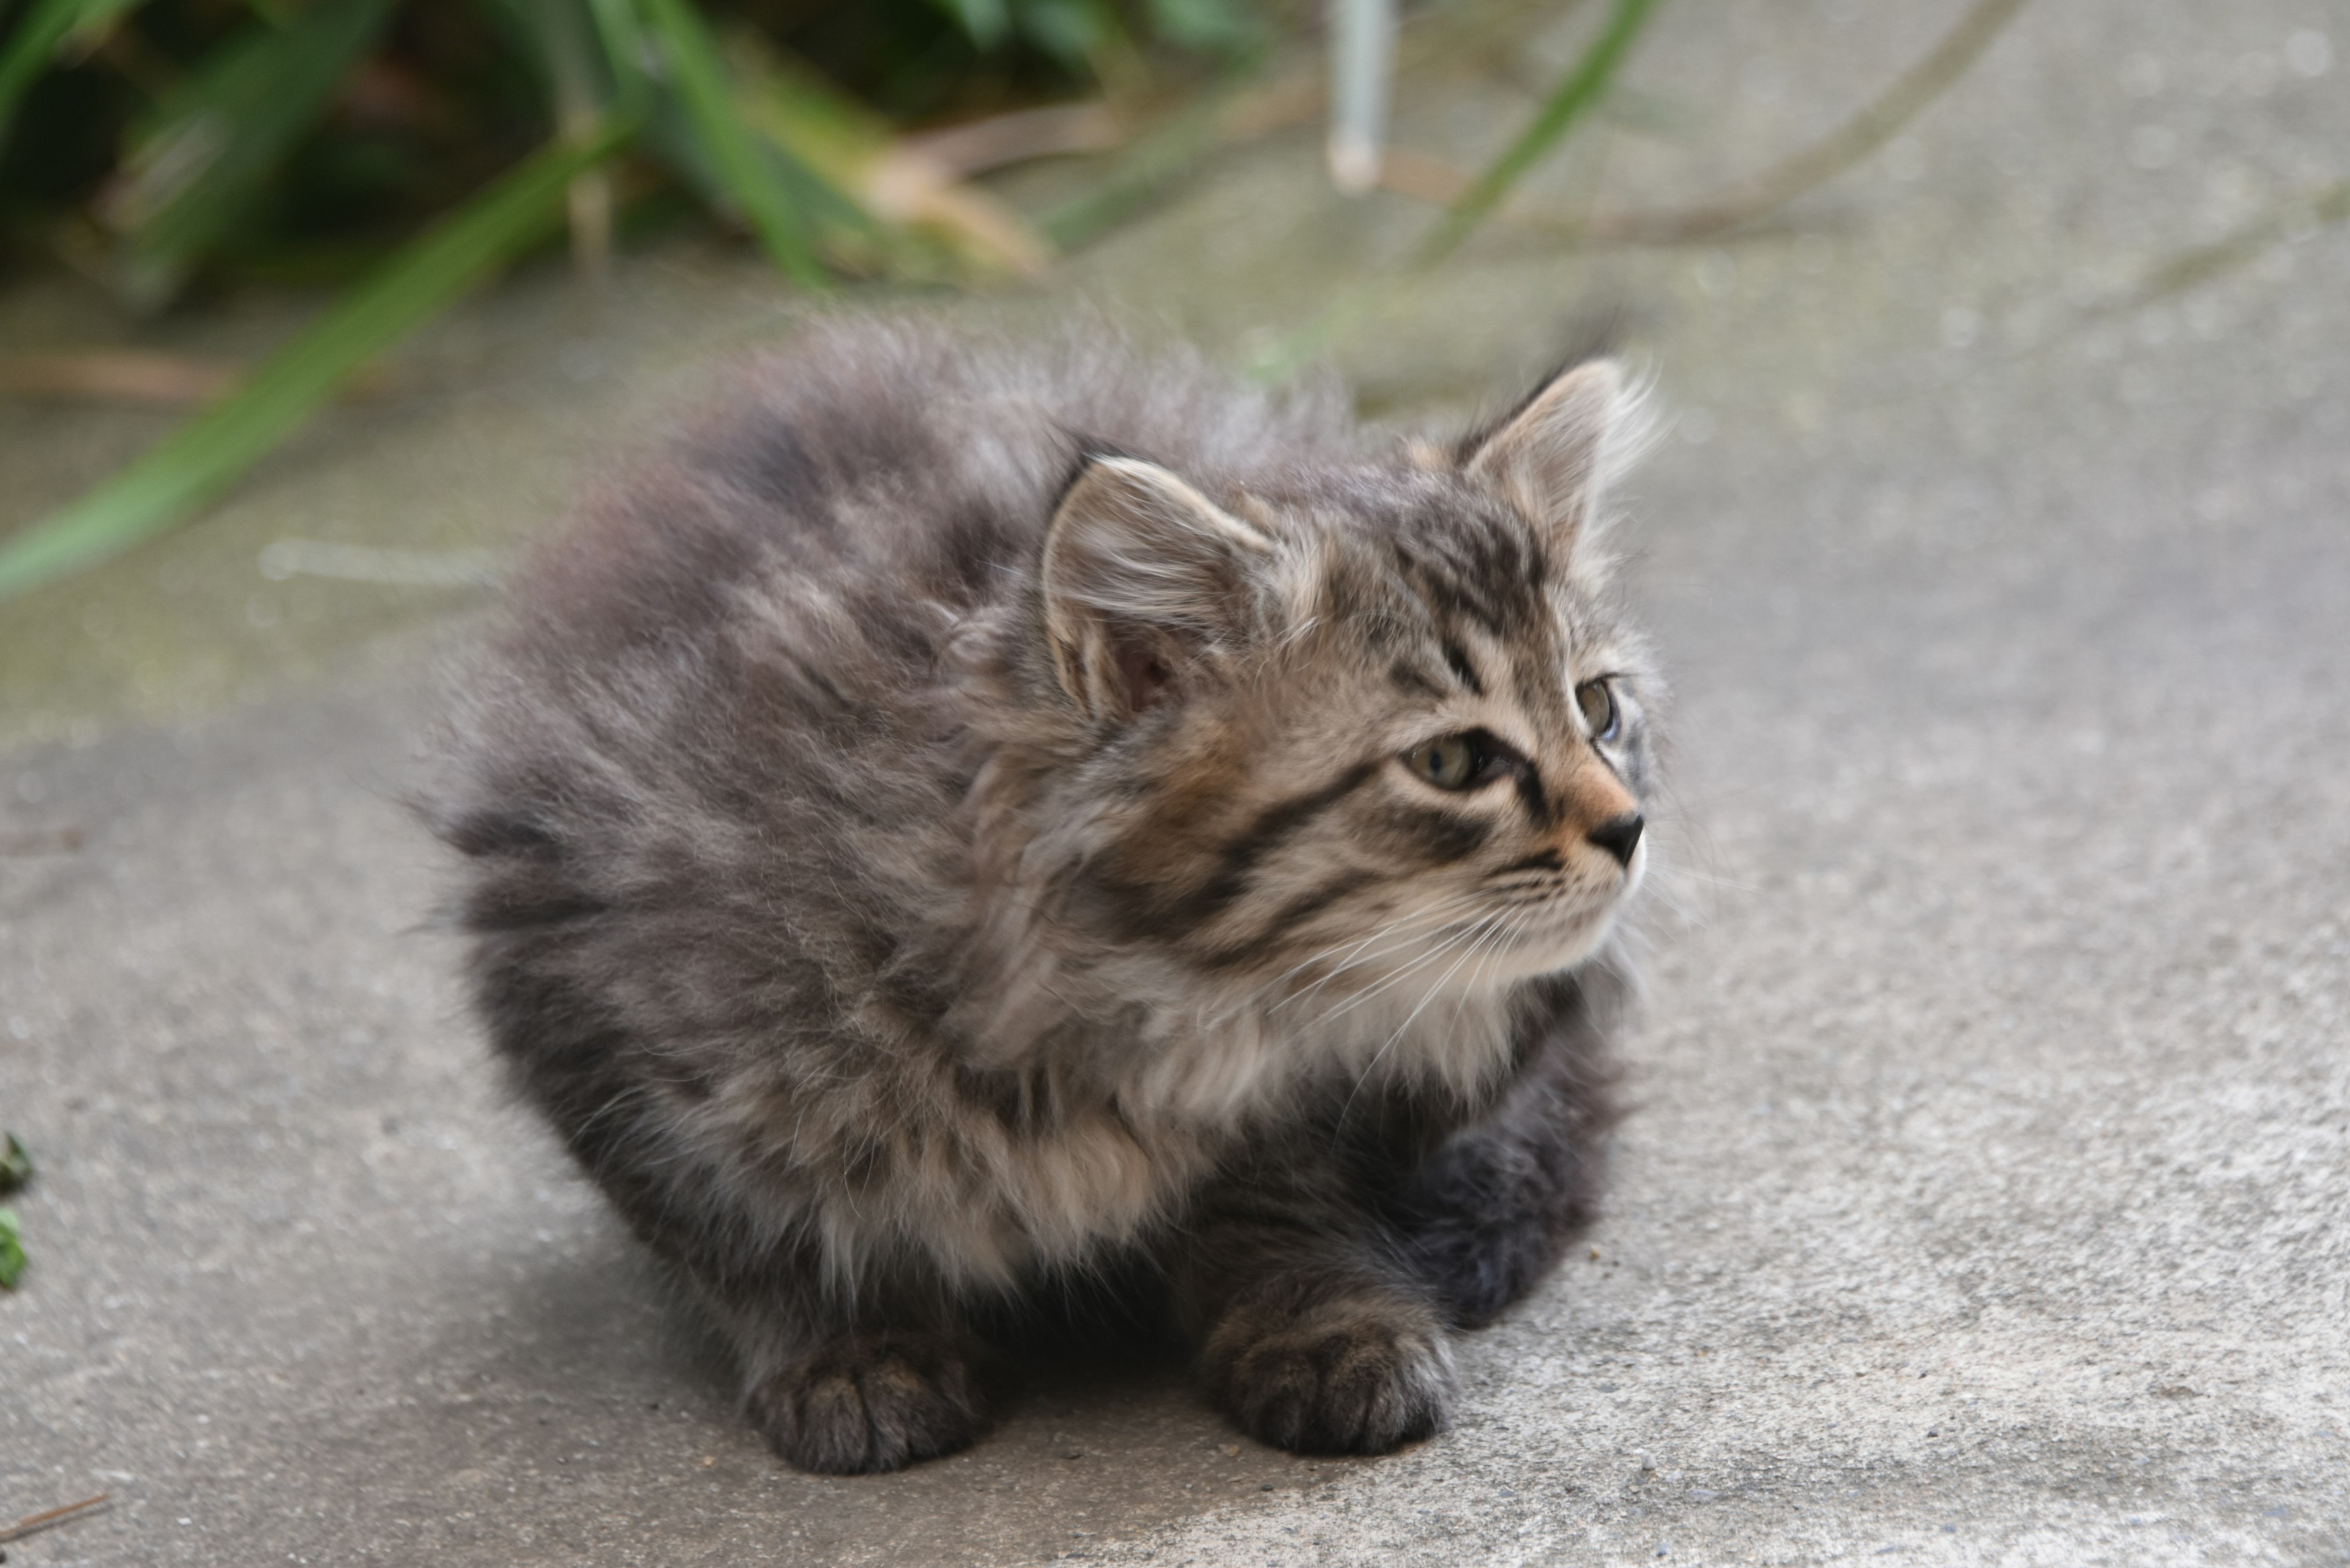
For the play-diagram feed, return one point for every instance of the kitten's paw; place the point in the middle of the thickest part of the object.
(866, 1403)
(1357, 1375)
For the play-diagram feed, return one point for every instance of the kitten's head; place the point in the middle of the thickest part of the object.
(1361, 726)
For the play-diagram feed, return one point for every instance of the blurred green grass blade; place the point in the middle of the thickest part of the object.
(35, 40)
(625, 52)
(738, 160)
(1585, 85)
(205, 456)
(213, 141)
(1139, 175)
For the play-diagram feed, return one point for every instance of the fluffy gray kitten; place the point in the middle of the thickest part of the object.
(971, 837)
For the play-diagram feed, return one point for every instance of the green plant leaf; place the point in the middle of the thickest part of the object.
(1584, 84)
(743, 166)
(205, 456)
(12, 1251)
(16, 1165)
(37, 36)
(197, 161)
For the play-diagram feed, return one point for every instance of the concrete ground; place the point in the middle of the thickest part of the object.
(1986, 1198)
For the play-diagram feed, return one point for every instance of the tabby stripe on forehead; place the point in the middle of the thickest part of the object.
(1411, 679)
(1444, 592)
(1457, 658)
(1272, 826)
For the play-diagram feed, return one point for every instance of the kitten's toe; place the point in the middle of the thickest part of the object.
(866, 1403)
(1360, 1375)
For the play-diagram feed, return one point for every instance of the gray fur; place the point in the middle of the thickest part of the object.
(940, 834)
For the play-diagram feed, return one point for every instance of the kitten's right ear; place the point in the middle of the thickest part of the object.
(1550, 458)
(1141, 571)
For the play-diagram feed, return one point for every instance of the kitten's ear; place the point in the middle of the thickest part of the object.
(1549, 460)
(1141, 570)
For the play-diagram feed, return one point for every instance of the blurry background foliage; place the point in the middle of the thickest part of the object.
(166, 144)
(402, 149)
(397, 151)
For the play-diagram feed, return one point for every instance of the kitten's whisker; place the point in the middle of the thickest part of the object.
(1339, 1010)
(1461, 1000)
(1502, 936)
(1416, 924)
(1416, 918)
(1490, 924)
(1431, 956)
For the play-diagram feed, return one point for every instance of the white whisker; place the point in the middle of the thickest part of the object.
(1417, 924)
(1422, 961)
(1480, 929)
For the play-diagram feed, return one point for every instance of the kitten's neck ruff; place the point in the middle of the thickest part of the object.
(1169, 1045)
(1216, 1066)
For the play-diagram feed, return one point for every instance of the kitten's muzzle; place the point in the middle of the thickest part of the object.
(1619, 836)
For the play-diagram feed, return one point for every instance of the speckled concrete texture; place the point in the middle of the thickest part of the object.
(1988, 1195)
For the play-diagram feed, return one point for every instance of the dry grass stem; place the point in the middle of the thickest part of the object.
(33, 1523)
(999, 141)
(117, 376)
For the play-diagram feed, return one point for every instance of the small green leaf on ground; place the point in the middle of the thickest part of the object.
(16, 1165)
(12, 1251)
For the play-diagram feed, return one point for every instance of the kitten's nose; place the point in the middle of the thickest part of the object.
(1619, 836)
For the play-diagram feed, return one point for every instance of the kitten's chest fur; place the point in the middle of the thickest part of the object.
(989, 1155)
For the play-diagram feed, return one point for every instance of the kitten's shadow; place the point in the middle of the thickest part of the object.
(600, 1318)
(1095, 1409)
(608, 1303)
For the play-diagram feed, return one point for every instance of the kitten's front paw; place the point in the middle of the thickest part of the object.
(866, 1403)
(1357, 1375)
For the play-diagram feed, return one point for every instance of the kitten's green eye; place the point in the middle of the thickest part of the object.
(1599, 714)
(1455, 761)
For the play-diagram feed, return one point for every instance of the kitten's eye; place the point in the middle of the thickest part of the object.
(1455, 761)
(1597, 701)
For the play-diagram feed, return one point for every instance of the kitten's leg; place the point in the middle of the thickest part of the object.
(898, 1384)
(1314, 1336)
(838, 1391)
(1490, 1211)
(1324, 1286)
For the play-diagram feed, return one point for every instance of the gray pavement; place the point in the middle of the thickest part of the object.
(1986, 1198)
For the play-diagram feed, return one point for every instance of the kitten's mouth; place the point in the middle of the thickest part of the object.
(1556, 944)
(1560, 938)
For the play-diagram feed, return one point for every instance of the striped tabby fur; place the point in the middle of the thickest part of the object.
(967, 830)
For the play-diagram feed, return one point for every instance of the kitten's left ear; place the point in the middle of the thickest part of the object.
(1140, 571)
(1549, 460)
